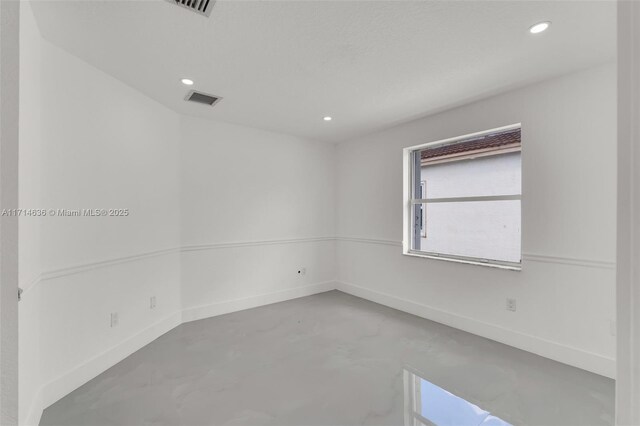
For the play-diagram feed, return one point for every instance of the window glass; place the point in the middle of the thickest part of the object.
(478, 229)
(489, 175)
(465, 198)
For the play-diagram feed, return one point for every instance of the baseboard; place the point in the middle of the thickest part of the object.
(35, 411)
(221, 308)
(589, 361)
(71, 380)
(68, 382)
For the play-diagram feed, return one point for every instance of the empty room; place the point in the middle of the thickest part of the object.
(326, 213)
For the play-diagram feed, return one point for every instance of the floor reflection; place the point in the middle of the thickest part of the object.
(427, 404)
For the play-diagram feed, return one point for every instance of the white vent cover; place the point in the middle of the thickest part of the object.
(203, 7)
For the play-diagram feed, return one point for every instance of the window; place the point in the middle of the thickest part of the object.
(462, 199)
(423, 217)
(428, 405)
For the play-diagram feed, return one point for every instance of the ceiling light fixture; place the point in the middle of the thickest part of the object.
(539, 27)
(187, 82)
(327, 118)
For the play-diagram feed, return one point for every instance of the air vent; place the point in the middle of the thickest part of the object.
(202, 98)
(203, 7)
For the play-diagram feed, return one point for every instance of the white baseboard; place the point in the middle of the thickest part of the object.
(71, 380)
(35, 411)
(66, 383)
(221, 308)
(589, 361)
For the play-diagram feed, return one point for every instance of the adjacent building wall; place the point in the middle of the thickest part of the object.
(485, 230)
(566, 290)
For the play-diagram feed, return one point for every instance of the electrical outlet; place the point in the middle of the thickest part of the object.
(511, 305)
(302, 271)
(114, 319)
(152, 302)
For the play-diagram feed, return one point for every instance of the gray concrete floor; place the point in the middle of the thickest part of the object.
(328, 359)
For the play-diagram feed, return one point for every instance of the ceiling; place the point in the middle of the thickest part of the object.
(284, 65)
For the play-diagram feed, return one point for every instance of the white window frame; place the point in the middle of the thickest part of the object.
(412, 381)
(423, 218)
(408, 158)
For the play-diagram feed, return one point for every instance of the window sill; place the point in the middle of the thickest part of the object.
(466, 261)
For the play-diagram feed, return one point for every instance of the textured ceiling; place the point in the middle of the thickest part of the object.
(283, 65)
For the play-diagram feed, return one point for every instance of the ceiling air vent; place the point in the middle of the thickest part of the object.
(203, 7)
(202, 98)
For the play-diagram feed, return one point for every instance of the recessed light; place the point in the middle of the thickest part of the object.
(539, 27)
(187, 82)
(327, 118)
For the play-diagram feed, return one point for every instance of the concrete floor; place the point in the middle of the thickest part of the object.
(328, 359)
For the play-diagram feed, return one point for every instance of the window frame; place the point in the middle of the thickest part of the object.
(409, 203)
(423, 213)
(413, 410)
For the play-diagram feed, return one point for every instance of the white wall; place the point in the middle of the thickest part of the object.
(258, 206)
(89, 141)
(565, 292)
(628, 255)
(223, 217)
(30, 192)
(92, 142)
(9, 225)
(30, 145)
(105, 146)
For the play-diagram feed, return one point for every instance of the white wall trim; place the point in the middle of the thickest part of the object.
(61, 272)
(56, 273)
(67, 382)
(32, 284)
(232, 244)
(71, 380)
(70, 270)
(592, 263)
(553, 350)
(364, 240)
(76, 269)
(228, 306)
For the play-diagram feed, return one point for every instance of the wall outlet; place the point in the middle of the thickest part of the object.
(302, 271)
(511, 305)
(152, 302)
(114, 319)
